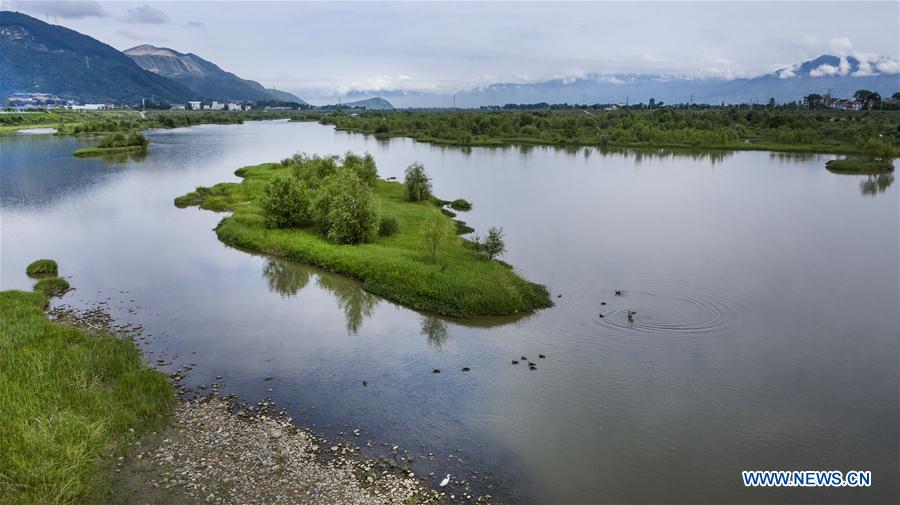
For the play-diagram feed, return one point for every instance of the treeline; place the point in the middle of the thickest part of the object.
(732, 128)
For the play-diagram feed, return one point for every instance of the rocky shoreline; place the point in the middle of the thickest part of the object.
(216, 450)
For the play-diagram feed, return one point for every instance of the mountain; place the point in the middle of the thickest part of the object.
(842, 76)
(40, 57)
(203, 77)
(376, 103)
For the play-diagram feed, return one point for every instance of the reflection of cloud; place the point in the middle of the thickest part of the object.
(146, 14)
(66, 10)
(435, 330)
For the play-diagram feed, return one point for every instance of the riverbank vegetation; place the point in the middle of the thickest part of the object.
(721, 128)
(116, 143)
(71, 402)
(41, 267)
(338, 215)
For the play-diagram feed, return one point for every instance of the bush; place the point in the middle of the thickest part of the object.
(343, 209)
(285, 203)
(41, 267)
(52, 286)
(364, 166)
(460, 205)
(492, 246)
(434, 233)
(388, 226)
(122, 140)
(417, 183)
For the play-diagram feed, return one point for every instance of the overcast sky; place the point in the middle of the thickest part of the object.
(318, 49)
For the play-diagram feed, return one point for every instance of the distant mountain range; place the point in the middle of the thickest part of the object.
(37, 57)
(839, 75)
(203, 77)
(376, 103)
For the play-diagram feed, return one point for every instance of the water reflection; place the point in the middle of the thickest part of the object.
(875, 184)
(284, 278)
(434, 330)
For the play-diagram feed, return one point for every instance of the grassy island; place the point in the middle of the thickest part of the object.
(116, 143)
(391, 236)
(864, 166)
(71, 402)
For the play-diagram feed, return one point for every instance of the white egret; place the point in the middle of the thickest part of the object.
(445, 481)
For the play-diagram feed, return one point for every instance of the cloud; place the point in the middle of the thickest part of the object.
(146, 14)
(888, 66)
(824, 70)
(788, 72)
(139, 37)
(197, 24)
(65, 10)
(841, 46)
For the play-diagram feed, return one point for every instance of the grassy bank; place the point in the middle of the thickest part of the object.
(459, 282)
(731, 128)
(864, 166)
(69, 400)
(89, 152)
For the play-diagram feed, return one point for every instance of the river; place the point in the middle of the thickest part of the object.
(765, 289)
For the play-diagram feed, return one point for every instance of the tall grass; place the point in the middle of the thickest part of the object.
(67, 402)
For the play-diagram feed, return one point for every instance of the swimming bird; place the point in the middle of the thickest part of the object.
(601, 316)
(531, 364)
(541, 356)
(365, 383)
(618, 292)
(436, 370)
(602, 303)
(524, 358)
(559, 296)
(515, 362)
(466, 369)
(631, 314)
(445, 481)
(532, 367)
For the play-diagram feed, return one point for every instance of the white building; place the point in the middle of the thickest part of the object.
(217, 106)
(234, 106)
(195, 104)
(90, 106)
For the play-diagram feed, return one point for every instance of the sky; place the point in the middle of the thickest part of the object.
(320, 50)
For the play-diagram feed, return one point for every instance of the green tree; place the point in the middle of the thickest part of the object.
(343, 209)
(434, 233)
(285, 203)
(867, 98)
(493, 245)
(417, 183)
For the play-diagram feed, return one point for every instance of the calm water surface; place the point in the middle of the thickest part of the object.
(766, 291)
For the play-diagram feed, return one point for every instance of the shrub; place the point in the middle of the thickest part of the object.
(285, 203)
(364, 166)
(460, 205)
(491, 246)
(417, 183)
(434, 233)
(41, 267)
(388, 226)
(52, 286)
(343, 209)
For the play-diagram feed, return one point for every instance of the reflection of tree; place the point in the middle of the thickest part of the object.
(435, 330)
(357, 303)
(284, 278)
(875, 184)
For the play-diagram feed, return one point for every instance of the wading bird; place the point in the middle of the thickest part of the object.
(445, 481)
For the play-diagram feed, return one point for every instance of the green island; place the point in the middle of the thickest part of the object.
(72, 402)
(863, 166)
(731, 127)
(396, 238)
(115, 143)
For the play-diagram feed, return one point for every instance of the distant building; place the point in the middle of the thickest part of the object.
(234, 106)
(91, 106)
(217, 106)
(195, 104)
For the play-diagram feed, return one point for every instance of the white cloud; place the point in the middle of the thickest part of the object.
(888, 66)
(841, 46)
(65, 10)
(146, 14)
(825, 70)
(788, 72)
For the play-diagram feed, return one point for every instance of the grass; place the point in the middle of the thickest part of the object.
(459, 283)
(860, 166)
(52, 286)
(88, 152)
(42, 267)
(68, 401)
(461, 205)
